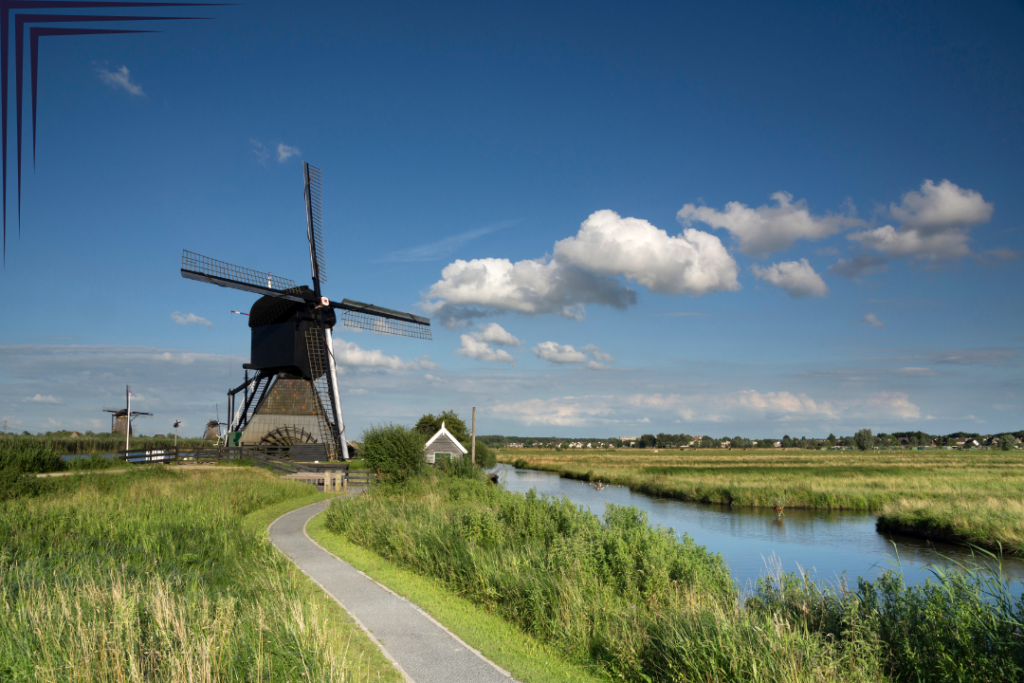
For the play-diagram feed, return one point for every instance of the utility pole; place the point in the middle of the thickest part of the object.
(128, 418)
(176, 424)
(472, 443)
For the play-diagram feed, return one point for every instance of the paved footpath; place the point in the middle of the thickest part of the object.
(425, 651)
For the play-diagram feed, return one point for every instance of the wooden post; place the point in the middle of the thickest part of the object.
(344, 484)
(472, 443)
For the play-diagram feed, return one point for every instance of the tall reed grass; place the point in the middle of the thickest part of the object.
(95, 443)
(156, 576)
(639, 602)
(965, 625)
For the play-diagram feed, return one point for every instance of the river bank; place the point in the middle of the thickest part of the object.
(960, 496)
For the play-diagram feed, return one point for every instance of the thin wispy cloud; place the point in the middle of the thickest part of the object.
(120, 79)
(261, 152)
(285, 152)
(443, 247)
(189, 319)
(871, 320)
(39, 398)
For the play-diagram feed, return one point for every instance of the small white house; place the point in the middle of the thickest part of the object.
(443, 444)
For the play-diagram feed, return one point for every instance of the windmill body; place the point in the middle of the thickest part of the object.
(292, 396)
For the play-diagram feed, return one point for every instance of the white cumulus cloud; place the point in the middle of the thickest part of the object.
(350, 354)
(765, 229)
(935, 223)
(693, 263)
(189, 319)
(284, 152)
(583, 271)
(797, 278)
(481, 287)
(558, 353)
(940, 207)
(496, 334)
(479, 350)
(120, 79)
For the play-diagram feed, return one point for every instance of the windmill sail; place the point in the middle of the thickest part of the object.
(320, 367)
(315, 224)
(205, 269)
(384, 320)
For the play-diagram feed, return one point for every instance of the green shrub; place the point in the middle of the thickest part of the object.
(394, 452)
(485, 458)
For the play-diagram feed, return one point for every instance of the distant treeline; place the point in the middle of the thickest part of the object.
(863, 439)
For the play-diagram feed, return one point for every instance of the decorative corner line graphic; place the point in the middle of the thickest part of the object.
(21, 21)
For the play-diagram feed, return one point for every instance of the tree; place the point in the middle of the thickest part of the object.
(864, 440)
(1007, 442)
(429, 424)
(647, 441)
(707, 442)
(787, 442)
(831, 440)
(394, 452)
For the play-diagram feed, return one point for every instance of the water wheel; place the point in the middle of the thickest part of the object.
(286, 436)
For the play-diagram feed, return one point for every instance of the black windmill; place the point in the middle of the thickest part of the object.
(293, 396)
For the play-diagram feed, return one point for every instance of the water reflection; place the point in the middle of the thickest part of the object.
(830, 543)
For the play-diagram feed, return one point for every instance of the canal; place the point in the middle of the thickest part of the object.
(827, 543)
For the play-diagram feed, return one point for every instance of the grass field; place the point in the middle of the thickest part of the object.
(164, 575)
(643, 605)
(972, 496)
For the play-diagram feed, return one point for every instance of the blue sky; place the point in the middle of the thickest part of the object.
(742, 219)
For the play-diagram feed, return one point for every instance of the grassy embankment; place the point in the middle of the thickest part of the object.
(166, 575)
(968, 496)
(642, 605)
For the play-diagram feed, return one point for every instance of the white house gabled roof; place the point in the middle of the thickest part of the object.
(444, 430)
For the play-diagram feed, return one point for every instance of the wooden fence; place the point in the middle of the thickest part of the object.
(270, 458)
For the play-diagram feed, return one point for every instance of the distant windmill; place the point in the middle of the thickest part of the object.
(121, 418)
(293, 397)
(213, 429)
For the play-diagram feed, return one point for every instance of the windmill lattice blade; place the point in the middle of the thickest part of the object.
(320, 366)
(384, 320)
(315, 223)
(205, 269)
